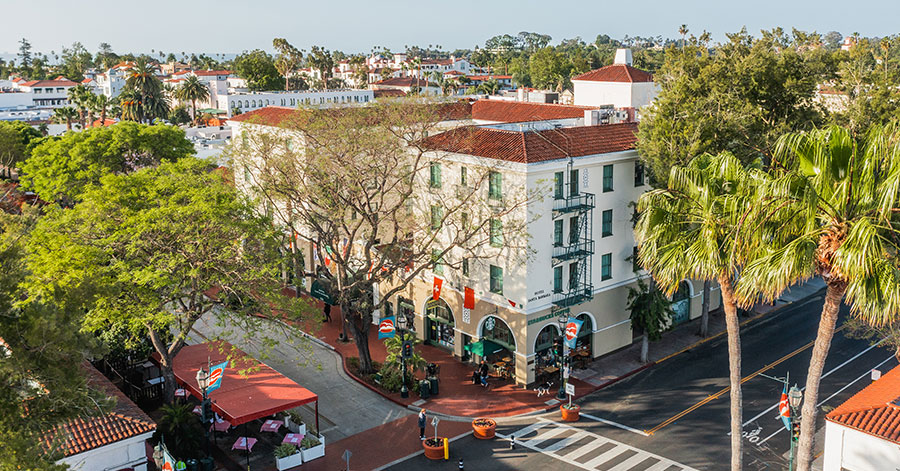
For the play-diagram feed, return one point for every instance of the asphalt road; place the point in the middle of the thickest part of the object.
(675, 415)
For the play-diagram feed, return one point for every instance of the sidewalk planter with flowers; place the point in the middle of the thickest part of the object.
(294, 423)
(570, 412)
(434, 448)
(287, 456)
(313, 446)
(484, 428)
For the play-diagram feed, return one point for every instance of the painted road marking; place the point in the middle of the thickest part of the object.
(615, 455)
(616, 424)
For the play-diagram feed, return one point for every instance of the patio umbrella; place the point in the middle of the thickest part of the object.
(483, 348)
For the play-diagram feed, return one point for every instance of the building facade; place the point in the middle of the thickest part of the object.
(242, 102)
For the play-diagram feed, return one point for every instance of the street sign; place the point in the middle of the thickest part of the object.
(570, 389)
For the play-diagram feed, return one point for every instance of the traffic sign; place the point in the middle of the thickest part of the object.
(570, 389)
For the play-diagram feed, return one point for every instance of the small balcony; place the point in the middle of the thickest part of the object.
(574, 203)
(580, 249)
(572, 297)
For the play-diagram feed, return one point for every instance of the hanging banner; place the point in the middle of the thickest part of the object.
(468, 305)
(436, 289)
(216, 373)
(386, 328)
(572, 328)
(319, 292)
(784, 409)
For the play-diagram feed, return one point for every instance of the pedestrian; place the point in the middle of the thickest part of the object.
(483, 372)
(327, 311)
(422, 424)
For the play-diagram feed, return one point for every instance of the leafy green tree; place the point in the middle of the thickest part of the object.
(147, 250)
(61, 169)
(180, 115)
(320, 59)
(828, 211)
(868, 75)
(15, 143)
(688, 231)
(181, 430)
(24, 53)
(258, 68)
(549, 69)
(289, 58)
(192, 89)
(101, 104)
(75, 61)
(80, 97)
(106, 57)
(143, 81)
(651, 313)
(65, 114)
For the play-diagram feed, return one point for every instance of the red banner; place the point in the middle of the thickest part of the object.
(469, 301)
(436, 289)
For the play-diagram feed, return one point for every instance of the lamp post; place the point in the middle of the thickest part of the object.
(795, 398)
(203, 384)
(564, 354)
(401, 324)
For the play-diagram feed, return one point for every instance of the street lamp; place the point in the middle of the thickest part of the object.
(401, 324)
(203, 384)
(562, 320)
(795, 398)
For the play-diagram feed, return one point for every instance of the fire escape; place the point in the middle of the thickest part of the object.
(575, 254)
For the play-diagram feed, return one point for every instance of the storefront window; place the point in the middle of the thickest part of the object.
(495, 330)
(440, 323)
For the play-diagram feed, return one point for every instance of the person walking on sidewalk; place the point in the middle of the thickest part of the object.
(327, 311)
(422, 422)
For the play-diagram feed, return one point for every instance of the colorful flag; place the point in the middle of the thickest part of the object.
(511, 302)
(436, 289)
(468, 304)
(386, 328)
(784, 409)
(216, 373)
(572, 328)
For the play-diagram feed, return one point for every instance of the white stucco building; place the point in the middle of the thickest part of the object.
(619, 85)
(243, 102)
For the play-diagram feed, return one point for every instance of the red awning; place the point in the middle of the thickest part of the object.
(240, 399)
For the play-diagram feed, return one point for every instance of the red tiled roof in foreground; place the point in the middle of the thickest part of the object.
(536, 146)
(615, 73)
(283, 116)
(124, 421)
(503, 111)
(871, 411)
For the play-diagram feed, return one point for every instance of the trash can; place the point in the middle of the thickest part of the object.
(192, 465)
(424, 389)
(434, 386)
(207, 464)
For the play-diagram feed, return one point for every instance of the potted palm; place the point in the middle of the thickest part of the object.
(287, 456)
(294, 423)
(312, 446)
(484, 428)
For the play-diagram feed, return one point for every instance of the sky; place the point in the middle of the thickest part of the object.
(231, 26)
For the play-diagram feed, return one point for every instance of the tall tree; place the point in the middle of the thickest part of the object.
(16, 139)
(65, 114)
(288, 59)
(320, 59)
(258, 68)
(829, 212)
(147, 250)
(24, 53)
(688, 231)
(80, 97)
(143, 80)
(101, 104)
(192, 89)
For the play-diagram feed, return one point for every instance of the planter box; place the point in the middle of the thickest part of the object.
(484, 432)
(317, 451)
(434, 452)
(570, 415)
(293, 426)
(289, 462)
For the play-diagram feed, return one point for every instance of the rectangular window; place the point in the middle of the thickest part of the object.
(573, 275)
(606, 266)
(463, 177)
(464, 221)
(607, 223)
(496, 233)
(607, 178)
(495, 186)
(436, 215)
(465, 267)
(435, 180)
(638, 174)
(438, 263)
(573, 229)
(557, 280)
(496, 279)
(558, 233)
(558, 183)
(573, 183)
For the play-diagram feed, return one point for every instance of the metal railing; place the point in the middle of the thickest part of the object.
(579, 202)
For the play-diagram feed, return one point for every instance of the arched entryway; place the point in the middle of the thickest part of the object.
(546, 346)
(439, 324)
(497, 345)
(681, 303)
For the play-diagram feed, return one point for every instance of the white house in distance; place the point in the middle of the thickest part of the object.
(115, 441)
(48, 93)
(863, 433)
(619, 85)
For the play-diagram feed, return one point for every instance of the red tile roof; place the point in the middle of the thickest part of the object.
(517, 111)
(405, 82)
(49, 83)
(124, 421)
(536, 146)
(871, 411)
(87, 80)
(209, 73)
(490, 77)
(615, 73)
(388, 93)
(283, 116)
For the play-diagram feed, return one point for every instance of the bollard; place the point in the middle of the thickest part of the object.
(461, 465)
(512, 442)
(446, 449)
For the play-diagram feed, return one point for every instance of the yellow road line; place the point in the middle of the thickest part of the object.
(718, 394)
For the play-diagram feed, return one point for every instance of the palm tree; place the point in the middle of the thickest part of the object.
(192, 89)
(687, 231)
(829, 211)
(101, 105)
(132, 105)
(80, 97)
(65, 114)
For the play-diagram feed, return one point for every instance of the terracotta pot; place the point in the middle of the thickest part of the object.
(433, 452)
(484, 432)
(570, 415)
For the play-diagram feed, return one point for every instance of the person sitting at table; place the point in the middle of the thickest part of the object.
(483, 372)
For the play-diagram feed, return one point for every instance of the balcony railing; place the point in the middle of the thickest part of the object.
(579, 202)
(573, 297)
(582, 248)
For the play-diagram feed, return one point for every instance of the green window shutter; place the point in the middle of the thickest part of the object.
(495, 186)
(607, 223)
(606, 266)
(496, 233)
(435, 175)
(573, 229)
(465, 267)
(496, 279)
(557, 280)
(438, 263)
(558, 232)
(573, 183)
(437, 214)
(638, 173)
(573, 275)
(463, 176)
(558, 186)
(607, 178)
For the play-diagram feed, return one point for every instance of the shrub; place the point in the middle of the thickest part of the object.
(285, 449)
(309, 441)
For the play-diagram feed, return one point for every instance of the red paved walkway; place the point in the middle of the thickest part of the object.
(458, 396)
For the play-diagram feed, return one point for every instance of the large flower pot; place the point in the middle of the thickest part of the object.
(484, 428)
(434, 448)
(314, 452)
(570, 415)
(289, 461)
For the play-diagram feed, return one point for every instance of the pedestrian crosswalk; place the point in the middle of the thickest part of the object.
(588, 450)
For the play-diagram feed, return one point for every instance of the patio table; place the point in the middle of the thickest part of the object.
(244, 443)
(293, 438)
(271, 426)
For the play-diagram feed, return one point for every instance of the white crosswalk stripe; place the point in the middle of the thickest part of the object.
(602, 452)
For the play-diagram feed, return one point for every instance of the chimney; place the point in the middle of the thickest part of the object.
(520, 94)
(591, 117)
(623, 56)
